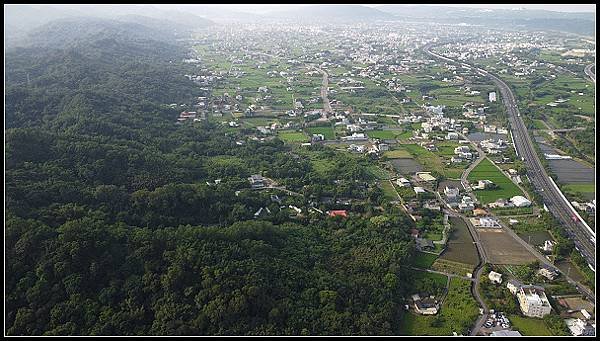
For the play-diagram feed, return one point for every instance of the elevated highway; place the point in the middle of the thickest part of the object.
(582, 235)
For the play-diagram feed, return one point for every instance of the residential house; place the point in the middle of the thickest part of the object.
(426, 306)
(513, 286)
(451, 193)
(424, 244)
(257, 181)
(495, 277)
(548, 272)
(337, 213)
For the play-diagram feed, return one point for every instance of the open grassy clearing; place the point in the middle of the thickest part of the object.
(529, 326)
(580, 187)
(424, 260)
(379, 173)
(383, 134)
(388, 190)
(292, 136)
(327, 132)
(397, 154)
(431, 161)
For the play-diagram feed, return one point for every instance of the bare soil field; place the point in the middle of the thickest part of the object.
(406, 166)
(501, 248)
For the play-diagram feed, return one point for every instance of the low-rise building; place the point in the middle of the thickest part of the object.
(424, 244)
(488, 222)
(513, 286)
(495, 277)
(452, 136)
(483, 184)
(548, 272)
(548, 246)
(579, 327)
(425, 176)
(505, 332)
(419, 190)
(403, 182)
(257, 181)
(425, 306)
(452, 193)
(520, 201)
(466, 204)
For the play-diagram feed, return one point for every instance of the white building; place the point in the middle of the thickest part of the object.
(466, 204)
(533, 301)
(488, 222)
(419, 190)
(548, 273)
(452, 136)
(403, 182)
(355, 137)
(548, 246)
(483, 184)
(513, 286)
(505, 333)
(492, 96)
(579, 327)
(520, 201)
(461, 149)
(495, 277)
(451, 193)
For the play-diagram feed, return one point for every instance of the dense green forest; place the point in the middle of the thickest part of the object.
(111, 227)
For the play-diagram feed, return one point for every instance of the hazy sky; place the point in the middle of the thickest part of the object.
(258, 8)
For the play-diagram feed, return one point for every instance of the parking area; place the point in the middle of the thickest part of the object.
(495, 322)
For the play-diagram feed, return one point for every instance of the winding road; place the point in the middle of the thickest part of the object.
(590, 70)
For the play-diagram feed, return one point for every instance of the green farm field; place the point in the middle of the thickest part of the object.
(326, 131)
(485, 170)
(292, 136)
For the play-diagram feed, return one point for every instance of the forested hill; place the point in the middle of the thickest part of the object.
(111, 227)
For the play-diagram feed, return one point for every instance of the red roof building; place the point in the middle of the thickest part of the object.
(336, 213)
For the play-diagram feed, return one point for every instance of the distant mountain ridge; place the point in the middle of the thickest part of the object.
(527, 19)
(20, 20)
(332, 12)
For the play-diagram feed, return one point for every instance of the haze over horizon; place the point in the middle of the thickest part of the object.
(572, 8)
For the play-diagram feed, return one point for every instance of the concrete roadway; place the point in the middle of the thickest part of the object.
(584, 239)
(539, 179)
(591, 73)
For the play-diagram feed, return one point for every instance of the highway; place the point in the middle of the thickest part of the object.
(591, 73)
(583, 237)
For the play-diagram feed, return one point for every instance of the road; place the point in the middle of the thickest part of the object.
(447, 274)
(478, 269)
(591, 73)
(562, 210)
(324, 88)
